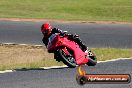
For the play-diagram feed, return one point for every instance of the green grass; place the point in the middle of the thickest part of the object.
(111, 53)
(86, 10)
(43, 63)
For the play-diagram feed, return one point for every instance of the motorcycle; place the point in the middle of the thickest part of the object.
(69, 52)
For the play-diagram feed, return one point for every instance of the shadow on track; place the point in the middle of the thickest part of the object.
(29, 69)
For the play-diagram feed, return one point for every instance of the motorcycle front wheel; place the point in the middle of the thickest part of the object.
(67, 58)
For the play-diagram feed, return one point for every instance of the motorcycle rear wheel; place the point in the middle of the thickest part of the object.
(92, 58)
(68, 60)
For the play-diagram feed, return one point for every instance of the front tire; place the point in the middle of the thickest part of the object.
(69, 59)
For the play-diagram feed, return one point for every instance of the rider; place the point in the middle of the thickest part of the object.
(47, 31)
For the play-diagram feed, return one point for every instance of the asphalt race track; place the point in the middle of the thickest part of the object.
(94, 35)
(65, 77)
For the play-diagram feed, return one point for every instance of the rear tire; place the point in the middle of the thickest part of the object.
(92, 62)
(92, 59)
(68, 60)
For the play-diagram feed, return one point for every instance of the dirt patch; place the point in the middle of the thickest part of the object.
(63, 21)
(11, 55)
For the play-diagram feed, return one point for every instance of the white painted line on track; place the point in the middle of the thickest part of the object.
(64, 66)
(38, 45)
(22, 44)
(114, 60)
(19, 44)
(52, 67)
(6, 71)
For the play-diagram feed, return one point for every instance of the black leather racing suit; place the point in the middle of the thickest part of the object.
(72, 37)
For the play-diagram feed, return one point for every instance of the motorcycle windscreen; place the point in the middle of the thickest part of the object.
(52, 41)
